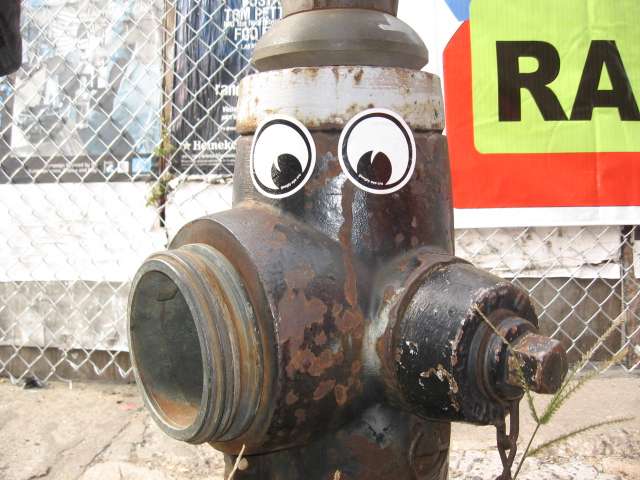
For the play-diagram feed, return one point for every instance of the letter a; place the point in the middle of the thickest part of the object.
(604, 53)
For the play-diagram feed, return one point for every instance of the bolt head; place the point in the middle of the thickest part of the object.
(543, 362)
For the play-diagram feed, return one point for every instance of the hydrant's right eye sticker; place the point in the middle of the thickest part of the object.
(377, 151)
(283, 156)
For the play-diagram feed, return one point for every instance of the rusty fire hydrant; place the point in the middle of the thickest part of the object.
(323, 325)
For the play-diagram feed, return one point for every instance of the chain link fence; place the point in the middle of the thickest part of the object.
(120, 127)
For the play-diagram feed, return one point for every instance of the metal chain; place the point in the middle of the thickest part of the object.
(508, 442)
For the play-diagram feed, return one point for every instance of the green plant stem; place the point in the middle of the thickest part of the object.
(525, 454)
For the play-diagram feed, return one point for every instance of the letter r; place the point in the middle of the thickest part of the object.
(511, 81)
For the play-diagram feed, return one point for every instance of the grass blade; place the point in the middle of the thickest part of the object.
(573, 433)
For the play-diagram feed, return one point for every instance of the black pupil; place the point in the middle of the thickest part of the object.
(289, 169)
(377, 170)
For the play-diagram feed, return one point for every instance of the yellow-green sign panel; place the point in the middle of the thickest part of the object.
(556, 76)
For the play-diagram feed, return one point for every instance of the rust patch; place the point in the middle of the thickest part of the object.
(297, 313)
(300, 360)
(358, 76)
(351, 283)
(320, 339)
(366, 239)
(291, 398)
(356, 366)
(336, 73)
(301, 415)
(277, 240)
(299, 279)
(320, 364)
(389, 294)
(402, 264)
(349, 321)
(336, 309)
(339, 358)
(306, 361)
(341, 394)
(323, 389)
(414, 241)
(399, 238)
(354, 109)
(315, 183)
(370, 454)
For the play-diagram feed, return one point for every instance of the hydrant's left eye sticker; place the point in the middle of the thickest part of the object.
(283, 156)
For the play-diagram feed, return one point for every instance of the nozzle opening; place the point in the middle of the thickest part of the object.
(168, 352)
(195, 345)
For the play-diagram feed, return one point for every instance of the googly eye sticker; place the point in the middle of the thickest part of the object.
(377, 151)
(283, 156)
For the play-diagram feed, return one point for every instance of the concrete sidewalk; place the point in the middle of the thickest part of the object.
(100, 431)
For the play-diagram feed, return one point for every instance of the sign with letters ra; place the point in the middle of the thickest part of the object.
(550, 113)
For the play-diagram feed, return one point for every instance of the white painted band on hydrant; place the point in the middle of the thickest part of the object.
(326, 98)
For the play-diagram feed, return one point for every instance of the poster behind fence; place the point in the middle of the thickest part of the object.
(85, 104)
(487, 192)
(214, 42)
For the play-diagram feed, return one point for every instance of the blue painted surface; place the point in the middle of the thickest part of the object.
(460, 8)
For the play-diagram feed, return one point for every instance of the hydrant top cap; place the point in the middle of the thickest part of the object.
(290, 7)
(340, 37)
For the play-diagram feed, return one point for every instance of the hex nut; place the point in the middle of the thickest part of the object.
(543, 361)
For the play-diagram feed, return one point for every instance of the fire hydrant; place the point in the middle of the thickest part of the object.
(323, 326)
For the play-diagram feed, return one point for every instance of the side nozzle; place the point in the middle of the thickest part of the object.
(450, 363)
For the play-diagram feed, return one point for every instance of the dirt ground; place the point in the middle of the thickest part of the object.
(100, 431)
(613, 449)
